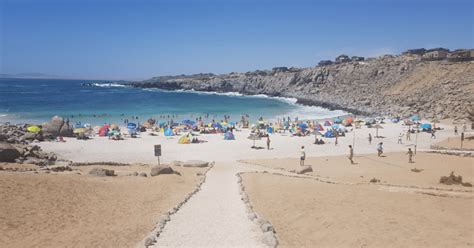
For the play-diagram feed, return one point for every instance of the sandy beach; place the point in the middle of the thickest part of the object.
(331, 198)
(306, 213)
(79, 210)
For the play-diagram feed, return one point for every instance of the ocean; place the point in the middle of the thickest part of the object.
(37, 100)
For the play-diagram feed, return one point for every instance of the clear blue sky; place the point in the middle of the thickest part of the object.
(140, 39)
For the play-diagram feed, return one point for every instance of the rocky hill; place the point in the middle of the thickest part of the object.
(394, 85)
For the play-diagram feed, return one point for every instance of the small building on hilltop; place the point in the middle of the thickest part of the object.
(357, 58)
(280, 69)
(435, 55)
(461, 55)
(325, 62)
(418, 51)
(342, 59)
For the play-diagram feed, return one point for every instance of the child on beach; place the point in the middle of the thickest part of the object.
(410, 155)
(302, 156)
(351, 154)
(380, 149)
(268, 142)
(400, 136)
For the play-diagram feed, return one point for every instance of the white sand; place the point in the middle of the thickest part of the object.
(214, 217)
(140, 150)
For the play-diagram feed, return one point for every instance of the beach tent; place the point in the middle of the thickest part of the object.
(168, 132)
(395, 120)
(329, 134)
(337, 120)
(33, 129)
(327, 123)
(185, 139)
(217, 125)
(229, 136)
(415, 118)
(425, 126)
(104, 130)
(348, 121)
(188, 122)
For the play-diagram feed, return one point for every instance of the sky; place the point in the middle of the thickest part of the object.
(125, 39)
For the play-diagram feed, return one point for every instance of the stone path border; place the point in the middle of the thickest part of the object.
(163, 219)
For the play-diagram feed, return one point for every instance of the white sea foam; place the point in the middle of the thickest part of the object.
(108, 85)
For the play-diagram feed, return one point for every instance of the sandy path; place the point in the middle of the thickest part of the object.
(214, 217)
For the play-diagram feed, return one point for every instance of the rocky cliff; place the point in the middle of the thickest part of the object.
(393, 85)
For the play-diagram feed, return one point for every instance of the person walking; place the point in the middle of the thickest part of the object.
(433, 134)
(268, 141)
(302, 156)
(380, 149)
(410, 156)
(370, 139)
(400, 136)
(351, 154)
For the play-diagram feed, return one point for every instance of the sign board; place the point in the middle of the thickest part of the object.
(157, 150)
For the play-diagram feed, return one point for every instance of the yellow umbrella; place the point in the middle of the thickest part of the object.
(33, 129)
(80, 130)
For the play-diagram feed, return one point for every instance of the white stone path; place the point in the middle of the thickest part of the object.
(214, 217)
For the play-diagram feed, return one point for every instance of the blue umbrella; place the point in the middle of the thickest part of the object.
(425, 126)
(303, 125)
(131, 125)
(188, 122)
(217, 125)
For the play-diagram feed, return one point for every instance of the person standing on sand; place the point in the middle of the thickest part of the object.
(410, 156)
(433, 135)
(455, 130)
(408, 135)
(302, 156)
(380, 149)
(370, 139)
(337, 136)
(351, 154)
(268, 142)
(400, 136)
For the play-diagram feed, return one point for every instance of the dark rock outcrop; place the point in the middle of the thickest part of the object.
(8, 153)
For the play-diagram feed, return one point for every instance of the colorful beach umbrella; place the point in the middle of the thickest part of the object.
(33, 129)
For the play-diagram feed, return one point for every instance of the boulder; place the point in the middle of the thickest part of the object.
(143, 174)
(304, 169)
(161, 169)
(57, 127)
(101, 172)
(195, 163)
(8, 153)
(269, 239)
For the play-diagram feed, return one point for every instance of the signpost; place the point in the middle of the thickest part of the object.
(462, 139)
(158, 152)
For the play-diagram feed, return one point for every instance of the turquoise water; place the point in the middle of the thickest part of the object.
(37, 100)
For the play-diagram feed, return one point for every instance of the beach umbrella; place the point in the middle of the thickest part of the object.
(79, 130)
(303, 125)
(131, 125)
(217, 125)
(377, 126)
(33, 129)
(327, 123)
(254, 138)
